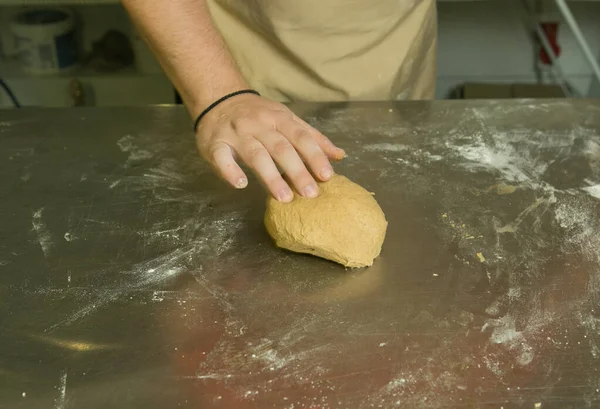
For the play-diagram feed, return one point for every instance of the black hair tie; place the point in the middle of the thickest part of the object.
(218, 101)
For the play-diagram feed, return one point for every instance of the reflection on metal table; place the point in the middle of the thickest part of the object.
(130, 277)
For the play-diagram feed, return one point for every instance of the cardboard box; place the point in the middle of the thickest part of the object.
(537, 91)
(502, 91)
(486, 91)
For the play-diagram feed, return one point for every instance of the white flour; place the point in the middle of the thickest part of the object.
(515, 158)
(242, 357)
(594, 191)
(144, 275)
(425, 382)
(126, 144)
(495, 109)
(189, 236)
(386, 147)
(60, 402)
(399, 154)
(165, 182)
(582, 227)
(285, 356)
(501, 158)
(44, 236)
(505, 333)
(197, 239)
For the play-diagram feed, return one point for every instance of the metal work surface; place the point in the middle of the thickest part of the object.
(130, 277)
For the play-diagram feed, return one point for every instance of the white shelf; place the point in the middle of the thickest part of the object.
(117, 89)
(11, 69)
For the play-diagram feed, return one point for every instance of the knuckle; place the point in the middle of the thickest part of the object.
(282, 148)
(284, 114)
(213, 152)
(255, 150)
(253, 115)
(263, 115)
(252, 120)
(319, 136)
(242, 123)
(303, 137)
(205, 149)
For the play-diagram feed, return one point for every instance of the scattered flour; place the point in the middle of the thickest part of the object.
(582, 227)
(158, 296)
(386, 147)
(505, 333)
(283, 359)
(211, 237)
(500, 156)
(126, 144)
(236, 361)
(594, 191)
(44, 236)
(61, 401)
(493, 366)
(409, 156)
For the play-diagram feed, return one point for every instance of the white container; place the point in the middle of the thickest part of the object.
(44, 40)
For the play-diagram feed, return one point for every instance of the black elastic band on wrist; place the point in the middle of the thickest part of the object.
(218, 101)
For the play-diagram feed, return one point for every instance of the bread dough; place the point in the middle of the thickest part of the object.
(343, 224)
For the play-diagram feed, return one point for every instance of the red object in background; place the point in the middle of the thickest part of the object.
(551, 31)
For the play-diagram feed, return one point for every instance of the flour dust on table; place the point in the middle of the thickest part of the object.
(128, 265)
(180, 228)
(550, 177)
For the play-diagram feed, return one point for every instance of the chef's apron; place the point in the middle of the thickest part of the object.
(332, 50)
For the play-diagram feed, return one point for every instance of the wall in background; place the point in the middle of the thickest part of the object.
(143, 85)
(490, 41)
(595, 91)
(478, 41)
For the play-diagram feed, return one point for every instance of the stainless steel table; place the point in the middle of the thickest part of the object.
(130, 277)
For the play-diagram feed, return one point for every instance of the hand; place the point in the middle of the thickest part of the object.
(264, 133)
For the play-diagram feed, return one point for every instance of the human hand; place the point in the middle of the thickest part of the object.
(264, 134)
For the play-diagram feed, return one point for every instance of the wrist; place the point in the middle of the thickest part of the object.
(222, 100)
(201, 99)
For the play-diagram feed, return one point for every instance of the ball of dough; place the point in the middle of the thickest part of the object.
(343, 224)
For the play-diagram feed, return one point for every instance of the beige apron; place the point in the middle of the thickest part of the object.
(332, 50)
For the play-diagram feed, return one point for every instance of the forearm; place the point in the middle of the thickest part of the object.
(189, 48)
(247, 128)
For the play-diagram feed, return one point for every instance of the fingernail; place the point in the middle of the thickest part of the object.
(241, 183)
(340, 154)
(285, 195)
(310, 191)
(327, 173)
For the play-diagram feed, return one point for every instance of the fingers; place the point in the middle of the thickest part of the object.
(284, 153)
(307, 147)
(264, 134)
(258, 158)
(332, 151)
(221, 156)
(255, 155)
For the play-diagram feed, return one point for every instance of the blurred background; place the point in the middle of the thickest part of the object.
(87, 53)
